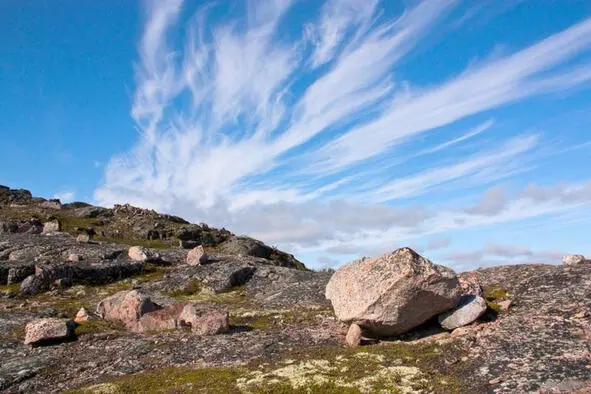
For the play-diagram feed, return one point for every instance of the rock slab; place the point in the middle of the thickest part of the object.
(470, 308)
(392, 294)
(48, 329)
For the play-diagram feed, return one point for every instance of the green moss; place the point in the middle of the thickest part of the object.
(495, 292)
(70, 224)
(394, 368)
(10, 290)
(193, 287)
(493, 306)
(96, 326)
(132, 241)
(219, 380)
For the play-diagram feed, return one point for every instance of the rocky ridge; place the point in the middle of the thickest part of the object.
(88, 314)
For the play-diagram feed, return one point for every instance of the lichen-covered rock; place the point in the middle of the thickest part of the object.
(392, 294)
(573, 259)
(197, 256)
(127, 307)
(48, 329)
(470, 308)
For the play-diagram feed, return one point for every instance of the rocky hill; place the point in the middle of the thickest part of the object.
(96, 300)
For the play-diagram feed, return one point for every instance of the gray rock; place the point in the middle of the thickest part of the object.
(470, 308)
(392, 294)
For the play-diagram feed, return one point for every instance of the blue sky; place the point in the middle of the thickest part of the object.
(332, 129)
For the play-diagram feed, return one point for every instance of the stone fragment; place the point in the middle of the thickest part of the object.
(470, 308)
(82, 316)
(83, 238)
(139, 253)
(353, 338)
(48, 329)
(197, 256)
(52, 226)
(573, 259)
(392, 294)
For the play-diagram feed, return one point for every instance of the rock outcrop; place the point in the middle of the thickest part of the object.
(392, 294)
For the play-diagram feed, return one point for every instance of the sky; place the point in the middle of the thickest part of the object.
(332, 129)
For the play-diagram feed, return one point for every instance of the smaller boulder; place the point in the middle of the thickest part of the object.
(353, 338)
(139, 253)
(83, 238)
(30, 285)
(48, 329)
(197, 256)
(127, 307)
(207, 322)
(573, 259)
(470, 308)
(83, 316)
(52, 226)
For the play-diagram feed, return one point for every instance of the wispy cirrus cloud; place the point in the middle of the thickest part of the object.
(305, 137)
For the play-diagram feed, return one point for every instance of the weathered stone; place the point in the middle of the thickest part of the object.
(470, 308)
(197, 256)
(392, 294)
(48, 329)
(353, 338)
(30, 285)
(74, 258)
(127, 307)
(51, 204)
(573, 259)
(208, 322)
(82, 316)
(83, 238)
(52, 226)
(159, 320)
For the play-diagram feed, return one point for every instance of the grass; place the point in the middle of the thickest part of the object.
(96, 326)
(391, 368)
(11, 289)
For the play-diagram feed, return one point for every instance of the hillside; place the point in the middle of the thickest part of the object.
(162, 305)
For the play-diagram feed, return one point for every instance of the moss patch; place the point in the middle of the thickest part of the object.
(392, 368)
(10, 290)
(495, 292)
(96, 326)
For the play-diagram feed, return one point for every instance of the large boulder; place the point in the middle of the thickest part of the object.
(392, 294)
(470, 308)
(48, 329)
(127, 307)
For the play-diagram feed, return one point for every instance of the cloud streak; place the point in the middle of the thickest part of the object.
(298, 136)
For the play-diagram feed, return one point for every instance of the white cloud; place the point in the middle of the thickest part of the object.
(65, 196)
(301, 141)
